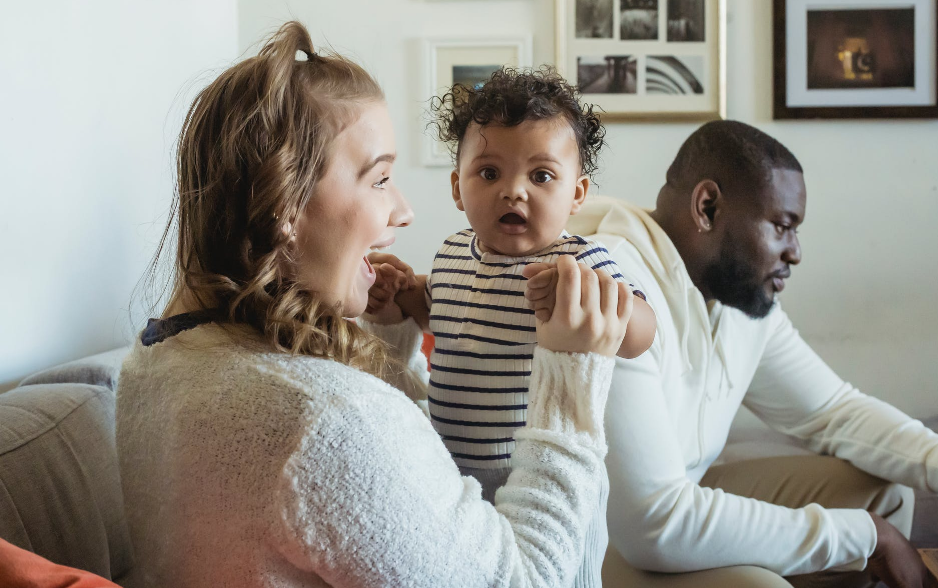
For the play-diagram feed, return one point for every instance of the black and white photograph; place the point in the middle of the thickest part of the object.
(674, 75)
(648, 70)
(594, 19)
(686, 21)
(609, 74)
(638, 20)
(871, 48)
(473, 76)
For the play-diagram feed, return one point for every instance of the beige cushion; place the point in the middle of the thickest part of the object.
(60, 493)
(100, 370)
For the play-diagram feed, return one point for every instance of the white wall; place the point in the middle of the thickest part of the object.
(91, 97)
(863, 294)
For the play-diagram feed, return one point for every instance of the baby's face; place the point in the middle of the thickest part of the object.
(519, 185)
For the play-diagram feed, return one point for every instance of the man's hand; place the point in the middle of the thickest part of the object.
(894, 561)
(392, 276)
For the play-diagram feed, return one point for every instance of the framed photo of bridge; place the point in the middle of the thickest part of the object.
(855, 59)
(645, 59)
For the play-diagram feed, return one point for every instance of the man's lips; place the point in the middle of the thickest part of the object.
(778, 279)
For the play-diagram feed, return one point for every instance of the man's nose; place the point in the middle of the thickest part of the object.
(792, 254)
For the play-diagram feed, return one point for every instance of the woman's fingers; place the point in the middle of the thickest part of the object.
(609, 295)
(626, 302)
(590, 295)
(407, 278)
(532, 269)
(568, 289)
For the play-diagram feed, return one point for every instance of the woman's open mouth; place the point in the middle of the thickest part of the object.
(368, 270)
(513, 223)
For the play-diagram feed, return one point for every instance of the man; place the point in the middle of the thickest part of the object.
(711, 257)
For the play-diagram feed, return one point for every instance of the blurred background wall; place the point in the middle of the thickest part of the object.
(88, 127)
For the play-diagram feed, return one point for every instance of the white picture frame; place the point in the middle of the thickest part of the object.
(476, 57)
(644, 59)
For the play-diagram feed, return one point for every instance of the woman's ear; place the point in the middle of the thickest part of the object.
(457, 196)
(705, 200)
(579, 197)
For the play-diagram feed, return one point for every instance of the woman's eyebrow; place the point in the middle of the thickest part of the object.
(388, 157)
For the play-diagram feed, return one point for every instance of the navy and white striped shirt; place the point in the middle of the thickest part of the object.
(485, 337)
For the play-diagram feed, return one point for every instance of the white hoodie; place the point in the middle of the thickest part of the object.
(670, 410)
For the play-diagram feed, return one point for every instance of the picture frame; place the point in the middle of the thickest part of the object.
(835, 59)
(466, 60)
(645, 59)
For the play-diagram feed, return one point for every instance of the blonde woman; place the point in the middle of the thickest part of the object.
(267, 440)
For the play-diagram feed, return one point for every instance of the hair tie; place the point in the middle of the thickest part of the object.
(309, 55)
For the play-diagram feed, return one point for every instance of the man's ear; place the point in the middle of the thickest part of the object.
(457, 197)
(705, 201)
(582, 187)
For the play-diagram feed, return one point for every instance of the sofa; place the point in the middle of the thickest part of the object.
(60, 493)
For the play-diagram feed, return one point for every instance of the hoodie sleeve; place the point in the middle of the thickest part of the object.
(661, 521)
(795, 392)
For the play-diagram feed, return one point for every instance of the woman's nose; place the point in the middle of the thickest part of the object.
(402, 214)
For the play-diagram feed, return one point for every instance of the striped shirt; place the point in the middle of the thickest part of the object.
(484, 343)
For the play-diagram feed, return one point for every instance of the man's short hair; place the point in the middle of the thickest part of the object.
(732, 154)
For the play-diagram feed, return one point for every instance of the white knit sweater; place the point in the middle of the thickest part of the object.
(245, 467)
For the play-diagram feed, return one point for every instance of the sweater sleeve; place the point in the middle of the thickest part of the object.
(660, 520)
(372, 498)
(404, 340)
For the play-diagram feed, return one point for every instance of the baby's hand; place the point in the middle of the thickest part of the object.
(541, 290)
(392, 276)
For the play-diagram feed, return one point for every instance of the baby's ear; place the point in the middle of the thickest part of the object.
(457, 196)
(582, 187)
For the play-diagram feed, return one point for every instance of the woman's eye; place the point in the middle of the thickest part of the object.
(542, 177)
(381, 183)
(488, 174)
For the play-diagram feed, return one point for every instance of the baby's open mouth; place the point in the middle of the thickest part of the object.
(512, 219)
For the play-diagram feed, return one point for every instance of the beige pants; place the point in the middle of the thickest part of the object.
(792, 481)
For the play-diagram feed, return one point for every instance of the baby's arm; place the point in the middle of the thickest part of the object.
(413, 303)
(542, 285)
(641, 330)
(397, 293)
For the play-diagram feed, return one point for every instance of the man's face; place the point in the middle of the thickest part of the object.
(759, 244)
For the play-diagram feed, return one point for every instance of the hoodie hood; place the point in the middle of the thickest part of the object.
(616, 223)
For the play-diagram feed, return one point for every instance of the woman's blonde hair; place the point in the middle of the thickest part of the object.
(253, 146)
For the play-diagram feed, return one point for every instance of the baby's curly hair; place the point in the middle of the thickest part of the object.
(512, 96)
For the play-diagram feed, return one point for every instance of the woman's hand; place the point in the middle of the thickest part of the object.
(392, 276)
(578, 309)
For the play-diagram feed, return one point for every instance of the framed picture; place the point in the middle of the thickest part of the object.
(469, 62)
(645, 59)
(856, 58)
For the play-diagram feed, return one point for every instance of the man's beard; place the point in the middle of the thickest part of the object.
(735, 282)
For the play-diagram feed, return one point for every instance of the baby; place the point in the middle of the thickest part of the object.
(524, 150)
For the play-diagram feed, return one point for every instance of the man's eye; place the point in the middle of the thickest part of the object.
(542, 177)
(781, 229)
(488, 174)
(381, 183)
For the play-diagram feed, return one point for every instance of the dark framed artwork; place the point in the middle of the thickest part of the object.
(855, 59)
(645, 59)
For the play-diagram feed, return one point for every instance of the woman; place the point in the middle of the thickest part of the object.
(264, 439)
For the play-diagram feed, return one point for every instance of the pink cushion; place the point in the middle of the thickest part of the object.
(23, 569)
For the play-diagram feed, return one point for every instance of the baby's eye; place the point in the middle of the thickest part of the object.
(488, 173)
(382, 182)
(542, 177)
